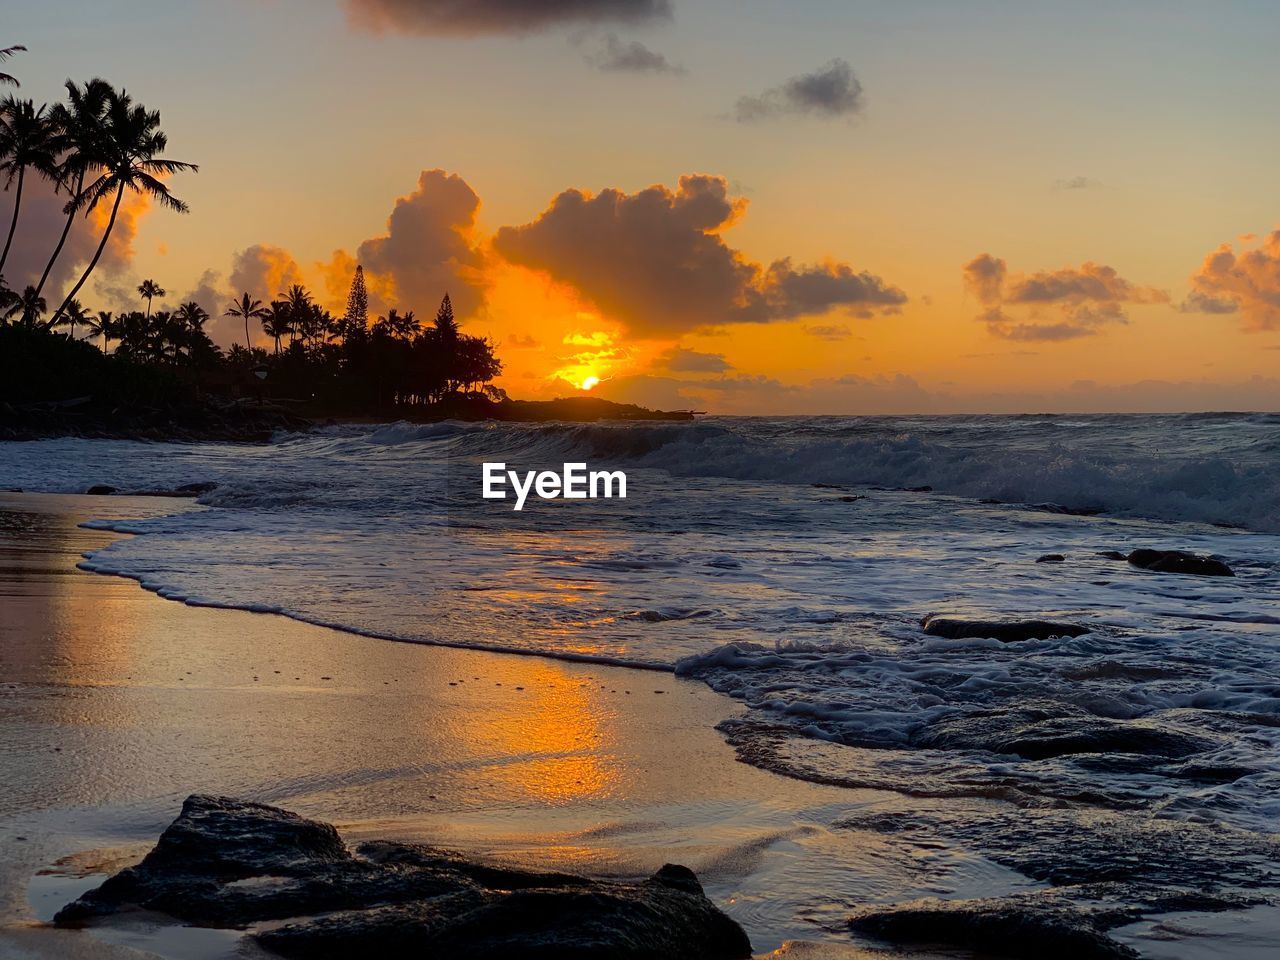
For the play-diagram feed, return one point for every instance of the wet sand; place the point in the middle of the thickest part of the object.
(116, 704)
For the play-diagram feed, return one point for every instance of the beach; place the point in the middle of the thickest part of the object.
(118, 704)
(881, 683)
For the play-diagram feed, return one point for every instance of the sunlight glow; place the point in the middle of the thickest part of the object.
(589, 382)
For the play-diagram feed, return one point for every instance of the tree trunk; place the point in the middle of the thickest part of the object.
(13, 224)
(247, 344)
(106, 235)
(66, 230)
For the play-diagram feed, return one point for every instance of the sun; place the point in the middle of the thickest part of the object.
(588, 383)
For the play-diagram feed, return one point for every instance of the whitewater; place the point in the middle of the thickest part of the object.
(788, 563)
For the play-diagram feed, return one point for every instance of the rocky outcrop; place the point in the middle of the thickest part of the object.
(233, 864)
(1178, 561)
(1025, 926)
(1006, 631)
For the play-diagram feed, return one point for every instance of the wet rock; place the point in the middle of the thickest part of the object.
(1111, 555)
(100, 490)
(231, 863)
(1051, 558)
(1178, 561)
(1027, 926)
(1006, 631)
(1043, 732)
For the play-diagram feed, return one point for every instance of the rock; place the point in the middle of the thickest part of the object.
(1043, 730)
(1111, 555)
(1178, 561)
(1006, 631)
(231, 863)
(1052, 558)
(101, 490)
(1021, 926)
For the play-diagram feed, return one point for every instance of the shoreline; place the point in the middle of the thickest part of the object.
(119, 703)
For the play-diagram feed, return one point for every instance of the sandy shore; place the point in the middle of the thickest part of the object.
(117, 704)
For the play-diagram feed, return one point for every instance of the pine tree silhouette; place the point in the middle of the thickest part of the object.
(356, 320)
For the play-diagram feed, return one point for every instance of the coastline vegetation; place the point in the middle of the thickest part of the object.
(99, 145)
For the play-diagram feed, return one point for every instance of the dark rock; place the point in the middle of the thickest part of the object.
(1112, 555)
(230, 863)
(1052, 558)
(1178, 561)
(1024, 926)
(1006, 631)
(1040, 732)
(101, 490)
(849, 499)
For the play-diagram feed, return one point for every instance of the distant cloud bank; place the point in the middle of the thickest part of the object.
(453, 17)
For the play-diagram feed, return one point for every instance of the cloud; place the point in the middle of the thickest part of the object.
(523, 342)
(264, 272)
(832, 91)
(682, 360)
(1076, 183)
(629, 56)
(1247, 283)
(453, 17)
(655, 261)
(1052, 305)
(40, 224)
(828, 331)
(431, 247)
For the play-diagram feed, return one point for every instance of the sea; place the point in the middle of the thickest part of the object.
(788, 563)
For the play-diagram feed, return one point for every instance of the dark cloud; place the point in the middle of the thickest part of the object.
(1247, 282)
(830, 91)
(655, 261)
(1052, 305)
(431, 246)
(629, 56)
(40, 224)
(525, 342)
(451, 17)
(682, 360)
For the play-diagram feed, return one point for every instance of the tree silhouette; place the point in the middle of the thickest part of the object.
(5, 54)
(356, 320)
(277, 322)
(71, 317)
(131, 147)
(148, 290)
(445, 324)
(102, 325)
(27, 308)
(247, 309)
(26, 142)
(77, 139)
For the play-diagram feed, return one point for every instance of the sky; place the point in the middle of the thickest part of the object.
(826, 207)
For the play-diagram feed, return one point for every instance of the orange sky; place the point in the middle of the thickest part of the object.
(838, 208)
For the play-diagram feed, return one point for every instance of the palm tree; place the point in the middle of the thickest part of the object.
(29, 307)
(5, 54)
(192, 315)
(25, 142)
(248, 309)
(103, 325)
(278, 322)
(149, 289)
(74, 314)
(131, 144)
(78, 139)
